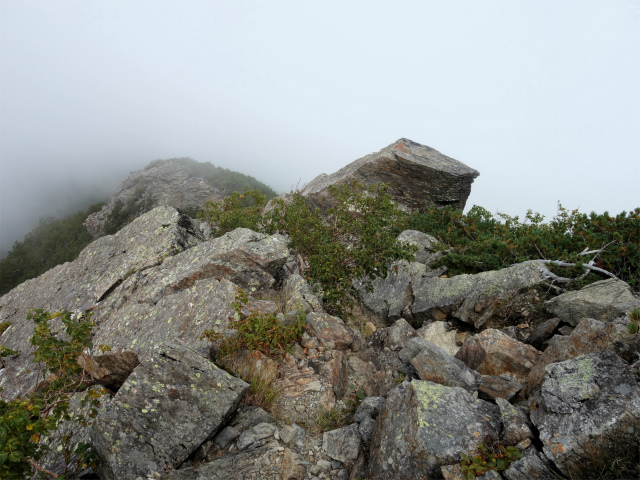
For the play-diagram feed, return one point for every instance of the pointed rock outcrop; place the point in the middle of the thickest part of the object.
(419, 176)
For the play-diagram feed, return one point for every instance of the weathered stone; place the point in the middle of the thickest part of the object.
(299, 296)
(587, 410)
(226, 436)
(452, 472)
(424, 425)
(162, 182)
(365, 428)
(436, 333)
(293, 434)
(531, 467)
(88, 283)
(244, 465)
(369, 408)
(542, 333)
(336, 372)
(109, 370)
(514, 422)
(604, 300)
(361, 372)
(419, 176)
(168, 406)
(491, 352)
(474, 299)
(331, 331)
(424, 243)
(504, 386)
(589, 336)
(342, 444)
(255, 434)
(397, 334)
(292, 466)
(432, 363)
(391, 297)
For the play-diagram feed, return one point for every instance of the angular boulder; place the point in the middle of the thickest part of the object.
(419, 176)
(491, 352)
(89, 281)
(330, 331)
(424, 425)
(168, 406)
(587, 413)
(604, 300)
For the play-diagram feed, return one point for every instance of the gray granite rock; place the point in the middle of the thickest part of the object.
(587, 411)
(424, 425)
(604, 300)
(168, 406)
(419, 176)
(342, 444)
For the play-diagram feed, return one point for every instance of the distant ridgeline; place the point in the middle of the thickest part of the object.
(181, 182)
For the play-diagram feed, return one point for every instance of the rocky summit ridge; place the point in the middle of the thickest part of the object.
(438, 369)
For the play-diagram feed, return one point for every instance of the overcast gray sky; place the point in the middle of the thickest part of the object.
(541, 97)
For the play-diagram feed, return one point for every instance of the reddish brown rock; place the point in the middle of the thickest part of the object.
(330, 331)
(491, 352)
(110, 370)
(504, 386)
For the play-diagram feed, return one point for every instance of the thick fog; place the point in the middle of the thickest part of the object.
(541, 97)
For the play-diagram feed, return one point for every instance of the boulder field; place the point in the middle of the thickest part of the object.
(437, 372)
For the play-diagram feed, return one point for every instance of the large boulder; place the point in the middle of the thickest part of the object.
(419, 176)
(492, 352)
(424, 425)
(155, 280)
(87, 282)
(588, 413)
(161, 183)
(605, 300)
(168, 406)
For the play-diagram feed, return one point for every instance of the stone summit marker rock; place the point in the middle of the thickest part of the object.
(419, 176)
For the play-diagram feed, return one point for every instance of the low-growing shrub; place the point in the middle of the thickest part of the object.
(335, 418)
(28, 426)
(488, 457)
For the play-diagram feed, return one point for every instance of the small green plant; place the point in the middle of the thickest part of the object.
(237, 210)
(257, 331)
(634, 320)
(29, 425)
(494, 457)
(339, 417)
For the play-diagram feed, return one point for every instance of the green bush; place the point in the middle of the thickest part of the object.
(355, 237)
(237, 210)
(492, 457)
(257, 331)
(482, 242)
(27, 425)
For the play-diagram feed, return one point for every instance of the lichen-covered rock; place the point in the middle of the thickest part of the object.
(424, 243)
(88, 282)
(299, 296)
(342, 444)
(162, 182)
(474, 299)
(604, 300)
(516, 425)
(587, 410)
(432, 363)
(330, 331)
(424, 425)
(533, 466)
(168, 406)
(419, 176)
(491, 352)
(247, 464)
(589, 336)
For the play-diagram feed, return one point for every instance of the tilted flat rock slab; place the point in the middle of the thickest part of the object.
(82, 284)
(168, 406)
(587, 413)
(604, 300)
(419, 176)
(424, 425)
(474, 298)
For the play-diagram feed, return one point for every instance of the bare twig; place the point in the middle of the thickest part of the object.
(43, 470)
(569, 264)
